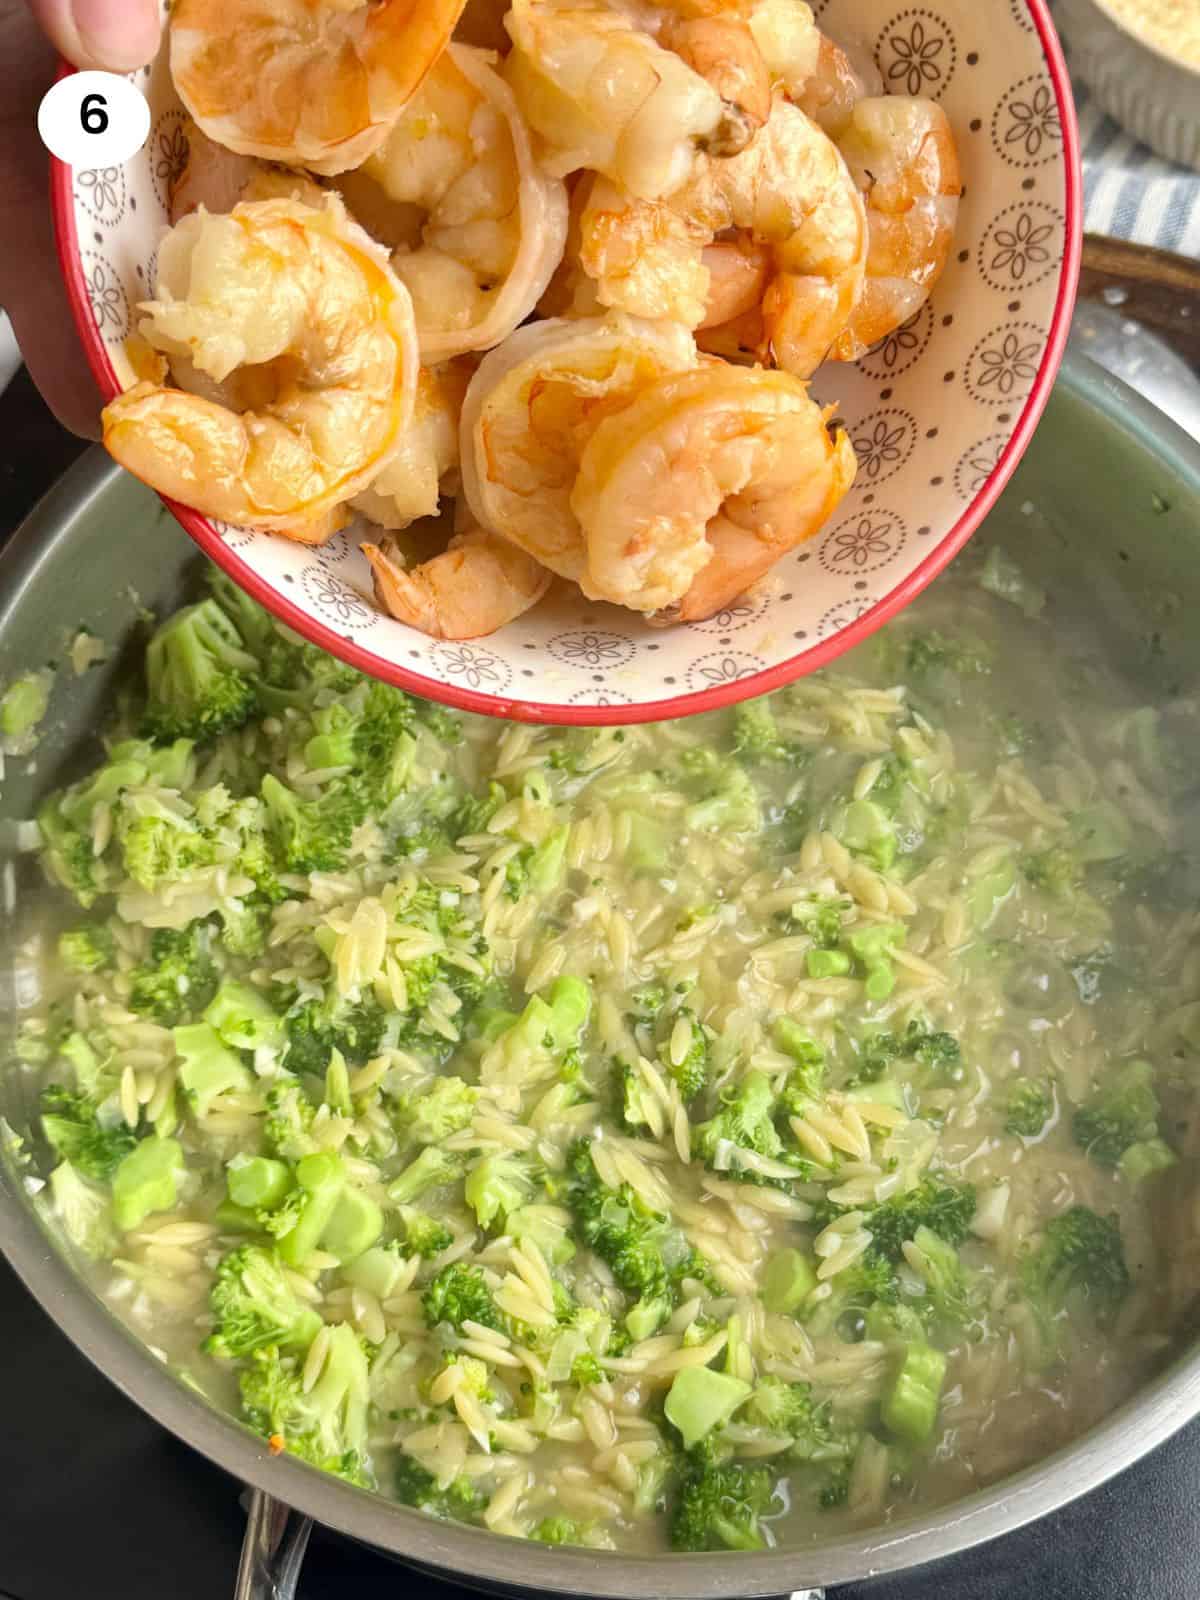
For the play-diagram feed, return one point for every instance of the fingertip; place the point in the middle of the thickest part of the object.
(108, 35)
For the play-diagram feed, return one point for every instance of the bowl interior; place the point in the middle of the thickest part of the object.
(939, 412)
(1105, 515)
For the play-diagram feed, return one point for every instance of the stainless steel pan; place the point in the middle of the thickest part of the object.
(1105, 511)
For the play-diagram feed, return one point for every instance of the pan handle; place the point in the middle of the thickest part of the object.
(272, 1551)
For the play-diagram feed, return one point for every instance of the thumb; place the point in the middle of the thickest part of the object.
(113, 35)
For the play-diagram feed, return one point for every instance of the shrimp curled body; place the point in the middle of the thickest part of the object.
(311, 83)
(301, 308)
(476, 585)
(901, 154)
(478, 227)
(701, 483)
(529, 411)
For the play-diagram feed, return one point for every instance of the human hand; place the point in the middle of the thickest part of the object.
(116, 36)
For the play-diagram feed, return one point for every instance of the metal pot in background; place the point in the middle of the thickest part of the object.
(1104, 513)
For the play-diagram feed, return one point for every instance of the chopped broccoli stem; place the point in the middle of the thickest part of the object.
(258, 1182)
(243, 1018)
(910, 1402)
(146, 1181)
(700, 1400)
(788, 1281)
(24, 704)
(208, 1068)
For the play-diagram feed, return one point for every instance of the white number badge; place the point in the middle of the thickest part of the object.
(93, 119)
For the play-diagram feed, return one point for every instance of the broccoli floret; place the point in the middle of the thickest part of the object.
(1079, 1261)
(806, 1077)
(1120, 1113)
(756, 735)
(731, 804)
(178, 978)
(939, 664)
(646, 1254)
(1028, 1108)
(1056, 871)
(477, 810)
(497, 1186)
(946, 1209)
(424, 1235)
(84, 1212)
(444, 1107)
(88, 948)
(458, 1294)
(691, 1070)
(432, 1168)
(288, 1121)
(312, 835)
(70, 1124)
(557, 1530)
(630, 1093)
(721, 1506)
(789, 1408)
(315, 1029)
(820, 916)
(327, 1426)
(743, 1122)
(67, 819)
(460, 1501)
(949, 1287)
(938, 1052)
(253, 1305)
(199, 675)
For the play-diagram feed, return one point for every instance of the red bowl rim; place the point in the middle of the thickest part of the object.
(806, 661)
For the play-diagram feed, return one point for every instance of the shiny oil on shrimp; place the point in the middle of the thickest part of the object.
(902, 155)
(691, 492)
(477, 227)
(424, 466)
(529, 411)
(779, 227)
(604, 96)
(299, 310)
(477, 584)
(312, 83)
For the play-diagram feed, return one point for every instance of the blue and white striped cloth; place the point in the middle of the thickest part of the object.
(1131, 193)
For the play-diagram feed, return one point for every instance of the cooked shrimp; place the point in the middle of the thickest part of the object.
(789, 193)
(312, 83)
(739, 270)
(835, 86)
(570, 292)
(303, 306)
(902, 156)
(602, 95)
(707, 477)
(478, 227)
(425, 464)
(724, 53)
(530, 410)
(475, 586)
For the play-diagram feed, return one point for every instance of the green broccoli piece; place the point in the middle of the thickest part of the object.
(1120, 1113)
(496, 1186)
(312, 835)
(444, 1107)
(557, 1530)
(243, 1017)
(461, 1501)
(66, 820)
(949, 1287)
(946, 1209)
(84, 1212)
(721, 1506)
(289, 1118)
(745, 1122)
(431, 1169)
(326, 1427)
(22, 707)
(782, 1407)
(199, 675)
(1057, 871)
(909, 1406)
(458, 1294)
(731, 805)
(424, 1235)
(88, 948)
(208, 1068)
(1028, 1108)
(315, 1029)
(756, 735)
(146, 1181)
(940, 662)
(253, 1305)
(1079, 1261)
(72, 1127)
(179, 977)
(806, 1077)
(691, 1071)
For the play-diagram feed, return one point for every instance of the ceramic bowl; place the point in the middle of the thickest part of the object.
(939, 412)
